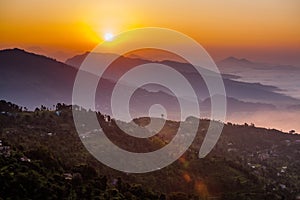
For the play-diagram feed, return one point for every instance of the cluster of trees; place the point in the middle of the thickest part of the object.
(44, 179)
(10, 107)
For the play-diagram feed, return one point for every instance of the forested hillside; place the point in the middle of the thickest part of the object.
(42, 157)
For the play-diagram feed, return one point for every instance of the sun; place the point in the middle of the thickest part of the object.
(108, 36)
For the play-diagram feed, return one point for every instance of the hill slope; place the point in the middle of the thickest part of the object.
(246, 163)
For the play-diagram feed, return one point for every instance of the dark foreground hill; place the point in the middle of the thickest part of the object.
(42, 157)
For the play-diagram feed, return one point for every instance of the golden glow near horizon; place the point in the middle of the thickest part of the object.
(79, 26)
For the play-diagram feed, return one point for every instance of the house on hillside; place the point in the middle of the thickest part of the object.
(68, 176)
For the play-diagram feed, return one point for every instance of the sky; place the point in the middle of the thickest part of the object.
(265, 30)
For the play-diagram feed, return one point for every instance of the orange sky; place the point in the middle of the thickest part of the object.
(262, 30)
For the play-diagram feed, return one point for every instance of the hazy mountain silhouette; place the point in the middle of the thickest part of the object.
(242, 63)
(76, 60)
(252, 92)
(233, 60)
(294, 107)
(234, 106)
(32, 80)
(285, 77)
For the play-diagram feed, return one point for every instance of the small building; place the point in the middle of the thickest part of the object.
(68, 176)
(25, 159)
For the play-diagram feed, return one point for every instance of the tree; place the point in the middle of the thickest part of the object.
(292, 131)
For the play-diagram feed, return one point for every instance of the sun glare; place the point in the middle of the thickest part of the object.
(108, 36)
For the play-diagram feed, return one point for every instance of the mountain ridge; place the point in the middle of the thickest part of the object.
(32, 80)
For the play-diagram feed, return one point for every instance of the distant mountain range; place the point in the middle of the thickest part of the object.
(32, 80)
(285, 77)
(231, 63)
(252, 92)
